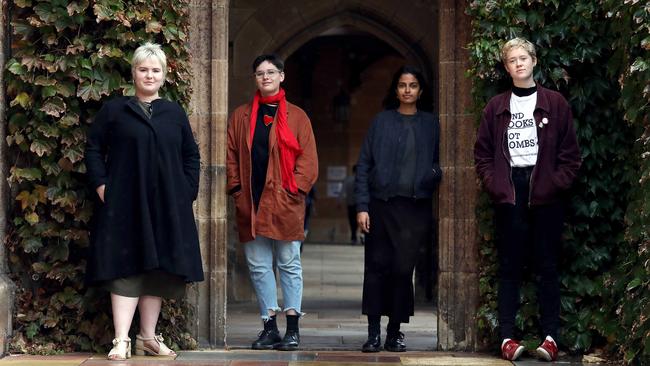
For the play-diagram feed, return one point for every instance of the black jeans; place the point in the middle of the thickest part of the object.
(528, 235)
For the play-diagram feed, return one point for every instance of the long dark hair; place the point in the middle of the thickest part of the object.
(391, 101)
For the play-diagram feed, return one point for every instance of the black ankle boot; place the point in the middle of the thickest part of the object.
(373, 344)
(290, 342)
(269, 336)
(395, 343)
(266, 339)
(291, 339)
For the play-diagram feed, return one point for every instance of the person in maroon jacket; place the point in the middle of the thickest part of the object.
(526, 156)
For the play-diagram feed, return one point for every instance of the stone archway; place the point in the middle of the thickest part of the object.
(360, 23)
(226, 36)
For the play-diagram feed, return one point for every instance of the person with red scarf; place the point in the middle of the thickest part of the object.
(271, 165)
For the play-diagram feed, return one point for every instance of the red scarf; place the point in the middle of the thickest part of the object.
(289, 147)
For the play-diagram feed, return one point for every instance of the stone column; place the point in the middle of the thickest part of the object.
(209, 112)
(458, 251)
(6, 285)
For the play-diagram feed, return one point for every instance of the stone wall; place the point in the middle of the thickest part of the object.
(208, 117)
(458, 250)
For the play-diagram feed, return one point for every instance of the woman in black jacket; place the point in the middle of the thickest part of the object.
(144, 165)
(397, 173)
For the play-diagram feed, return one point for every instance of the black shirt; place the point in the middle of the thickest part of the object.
(524, 92)
(409, 158)
(260, 151)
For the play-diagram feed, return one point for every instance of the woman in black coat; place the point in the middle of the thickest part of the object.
(144, 165)
(397, 174)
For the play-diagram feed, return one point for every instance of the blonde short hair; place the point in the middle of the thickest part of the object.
(147, 51)
(517, 42)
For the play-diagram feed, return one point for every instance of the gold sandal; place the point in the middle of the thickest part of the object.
(142, 349)
(121, 350)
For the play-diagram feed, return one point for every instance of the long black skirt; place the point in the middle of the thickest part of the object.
(398, 228)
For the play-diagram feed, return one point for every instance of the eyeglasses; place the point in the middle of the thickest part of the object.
(269, 73)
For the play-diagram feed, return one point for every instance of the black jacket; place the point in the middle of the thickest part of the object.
(151, 172)
(378, 165)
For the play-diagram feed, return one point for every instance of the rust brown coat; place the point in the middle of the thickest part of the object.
(280, 214)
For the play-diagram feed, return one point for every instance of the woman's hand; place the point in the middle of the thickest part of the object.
(100, 191)
(363, 220)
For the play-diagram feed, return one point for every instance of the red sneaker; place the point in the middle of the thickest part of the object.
(547, 350)
(511, 350)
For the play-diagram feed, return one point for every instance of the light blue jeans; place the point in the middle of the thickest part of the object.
(260, 254)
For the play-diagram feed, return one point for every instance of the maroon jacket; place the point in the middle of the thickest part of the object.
(558, 157)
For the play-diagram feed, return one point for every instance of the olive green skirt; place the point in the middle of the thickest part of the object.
(153, 283)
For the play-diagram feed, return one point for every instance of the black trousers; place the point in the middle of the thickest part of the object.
(398, 227)
(352, 220)
(528, 236)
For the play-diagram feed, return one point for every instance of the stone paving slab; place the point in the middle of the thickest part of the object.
(58, 360)
(247, 355)
(278, 358)
(452, 360)
(333, 283)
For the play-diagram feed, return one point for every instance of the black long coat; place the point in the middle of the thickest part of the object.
(151, 172)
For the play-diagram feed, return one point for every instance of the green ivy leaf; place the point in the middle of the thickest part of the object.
(89, 91)
(23, 3)
(32, 218)
(45, 12)
(639, 65)
(23, 99)
(41, 147)
(74, 153)
(32, 244)
(153, 27)
(75, 7)
(66, 199)
(48, 91)
(86, 63)
(41, 267)
(44, 81)
(32, 330)
(69, 120)
(50, 168)
(29, 174)
(636, 282)
(103, 12)
(57, 252)
(65, 89)
(49, 130)
(54, 106)
(16, 68)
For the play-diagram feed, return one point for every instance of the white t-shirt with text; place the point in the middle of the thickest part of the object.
(522, 132)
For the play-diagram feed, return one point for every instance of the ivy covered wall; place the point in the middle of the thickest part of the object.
(587, 50)
(629, 282)
(66, 58)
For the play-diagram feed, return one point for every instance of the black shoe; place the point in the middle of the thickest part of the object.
(395, 343)
(267, 339)
(290, 341)
(373, 344)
